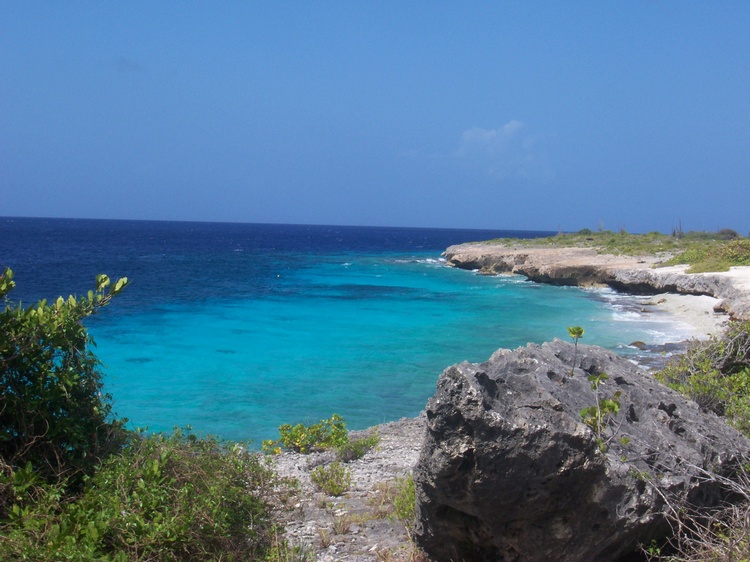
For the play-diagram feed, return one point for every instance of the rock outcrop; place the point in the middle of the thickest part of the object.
(509, 471)
(586, 267)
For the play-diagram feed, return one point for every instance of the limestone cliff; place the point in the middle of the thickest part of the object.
(585, 267)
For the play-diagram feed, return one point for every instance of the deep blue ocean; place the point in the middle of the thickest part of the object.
(234, 329)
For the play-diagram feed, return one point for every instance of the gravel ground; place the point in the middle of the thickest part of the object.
(357, 526)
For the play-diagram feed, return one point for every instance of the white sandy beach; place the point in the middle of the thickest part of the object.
(700, 311)
(694, 310)
(705, 301)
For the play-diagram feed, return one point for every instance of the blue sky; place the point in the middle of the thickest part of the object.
(517, 115)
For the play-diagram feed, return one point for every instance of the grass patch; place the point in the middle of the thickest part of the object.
(702, 251)
(404, 500)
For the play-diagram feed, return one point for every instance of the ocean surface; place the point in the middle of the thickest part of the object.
(234, 329)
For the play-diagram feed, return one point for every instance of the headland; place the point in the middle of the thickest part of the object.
(705, 300)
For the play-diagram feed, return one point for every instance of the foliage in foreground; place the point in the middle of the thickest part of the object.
(75, 485)
(718, 535)
(53, 413)
(715, 373)
(171, 497)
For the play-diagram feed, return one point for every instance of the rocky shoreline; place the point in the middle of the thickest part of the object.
(356, 527)
(584, 267)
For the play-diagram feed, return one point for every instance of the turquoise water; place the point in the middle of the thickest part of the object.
(234, 329)
(364, 337)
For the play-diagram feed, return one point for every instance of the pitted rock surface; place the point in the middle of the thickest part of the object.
(509, 471)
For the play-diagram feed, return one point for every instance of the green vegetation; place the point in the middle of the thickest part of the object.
(404, 501)
(703, 251)
(321, 436)
(716, 374)
(326, 434)
(355, 449)
(54, 418)
(599, 416)
(76, 485)
(396, 500)
(333, 479)
(714, 256)
(162, 498)
(575, 332)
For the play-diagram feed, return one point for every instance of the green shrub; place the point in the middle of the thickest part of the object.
(54, 414)
(326, 434)
(689, 256)
(736, 252)
(163, 498)
(333, 479)
(716, 374)
(355, 449)
(75, 485)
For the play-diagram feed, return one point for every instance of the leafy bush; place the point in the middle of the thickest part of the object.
(355, 449)
(54, 414)
(164, 498)
(326, 434)
(333, 479)
(716, 374)
(75, 485)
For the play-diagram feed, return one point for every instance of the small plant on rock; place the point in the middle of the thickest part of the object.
(575, 332)
(333, 479)
(598, 416)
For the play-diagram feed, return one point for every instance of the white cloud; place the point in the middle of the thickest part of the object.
(505, 152)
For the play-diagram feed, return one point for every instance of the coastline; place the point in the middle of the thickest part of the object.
(705, 301)
(697, 311)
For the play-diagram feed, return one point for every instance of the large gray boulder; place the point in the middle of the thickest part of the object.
(509, 472)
